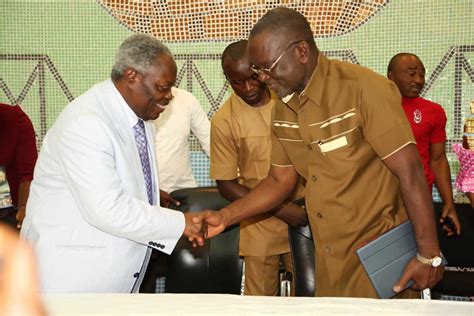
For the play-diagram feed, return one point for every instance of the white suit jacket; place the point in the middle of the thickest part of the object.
(88, 215)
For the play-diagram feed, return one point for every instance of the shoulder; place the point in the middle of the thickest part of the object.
(181, 95)
(358, 75)
(432, 105)
(225, 111)
(10, 112)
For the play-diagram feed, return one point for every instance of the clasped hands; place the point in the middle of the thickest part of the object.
(203, 225)
(207, 223)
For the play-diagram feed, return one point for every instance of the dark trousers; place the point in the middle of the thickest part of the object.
(156, 268)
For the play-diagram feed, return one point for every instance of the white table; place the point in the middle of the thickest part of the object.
(221, 304)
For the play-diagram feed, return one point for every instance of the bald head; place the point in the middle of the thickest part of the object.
(287, 23)
(395, 60)
(408, 72)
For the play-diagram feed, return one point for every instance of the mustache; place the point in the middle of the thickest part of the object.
(163, 102)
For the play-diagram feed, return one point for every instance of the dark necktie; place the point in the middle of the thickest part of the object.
(142, 145)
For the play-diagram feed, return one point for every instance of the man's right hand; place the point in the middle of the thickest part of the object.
(205, 224)
(424, 276)
(194, 228)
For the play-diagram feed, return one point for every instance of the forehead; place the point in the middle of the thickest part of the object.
(163, 70)
(409, 62)
(265, 47)
(238, 70)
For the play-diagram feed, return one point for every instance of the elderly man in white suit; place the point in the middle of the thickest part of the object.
(93, 209)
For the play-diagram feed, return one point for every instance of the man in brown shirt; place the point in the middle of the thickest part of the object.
(340, 127)
(240, 159)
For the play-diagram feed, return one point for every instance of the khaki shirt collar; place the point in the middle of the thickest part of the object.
(315, 87)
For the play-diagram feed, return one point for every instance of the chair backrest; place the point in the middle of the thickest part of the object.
(302, 250)
(458, 250)
(458, 279)
(214, 268)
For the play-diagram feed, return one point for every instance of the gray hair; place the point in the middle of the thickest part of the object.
(137, 52)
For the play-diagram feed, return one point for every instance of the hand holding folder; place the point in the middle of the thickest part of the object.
(388, 257)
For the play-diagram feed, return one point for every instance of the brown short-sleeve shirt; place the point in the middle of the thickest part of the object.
(241, 149)
(336, 134)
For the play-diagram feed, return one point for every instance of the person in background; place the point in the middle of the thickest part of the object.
(465, 153)
(93, 208)
(19, 284)
(18, 156)
(240, 159)
(428, 123)
(172, 130)
(340, 126)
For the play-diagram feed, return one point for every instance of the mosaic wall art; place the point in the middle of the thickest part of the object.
(53, 50)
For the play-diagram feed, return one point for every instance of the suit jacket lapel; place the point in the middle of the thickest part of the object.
(110, 100)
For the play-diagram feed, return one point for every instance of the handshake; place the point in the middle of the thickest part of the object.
(203, 225)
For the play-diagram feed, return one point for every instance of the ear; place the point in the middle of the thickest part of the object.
(303, 51)
(389, 75)
(130, 75)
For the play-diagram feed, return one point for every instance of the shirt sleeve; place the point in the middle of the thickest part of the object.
(383, 120)
(439, 130)
(279, 156)
(200, 125)
(26, 153)
(224, 150)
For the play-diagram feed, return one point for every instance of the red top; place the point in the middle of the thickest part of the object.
(17, 147)
(428, 123)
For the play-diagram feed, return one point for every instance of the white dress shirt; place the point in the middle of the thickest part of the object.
(182, 115)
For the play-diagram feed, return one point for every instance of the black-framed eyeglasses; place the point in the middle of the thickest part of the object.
(267, 71)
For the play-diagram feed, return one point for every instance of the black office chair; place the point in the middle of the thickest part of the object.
(214, 268)
(458, 279)
(302, 250)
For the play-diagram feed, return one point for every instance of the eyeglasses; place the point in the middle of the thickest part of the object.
(267, 71)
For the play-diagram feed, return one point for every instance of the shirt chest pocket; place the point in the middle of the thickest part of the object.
(255, 152)
(344, 145)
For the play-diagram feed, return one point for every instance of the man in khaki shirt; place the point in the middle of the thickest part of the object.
(240, 159)
(341, 128)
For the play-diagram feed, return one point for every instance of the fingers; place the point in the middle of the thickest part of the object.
(196, 241)
(403, 281)
(454, 225)
(447, 230)
(453, 217)
(175, 202)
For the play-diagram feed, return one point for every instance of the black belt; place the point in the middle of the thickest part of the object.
(5, 212)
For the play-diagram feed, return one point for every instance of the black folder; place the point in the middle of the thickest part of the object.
(384, 259)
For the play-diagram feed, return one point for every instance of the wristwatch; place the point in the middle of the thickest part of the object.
(436, 261)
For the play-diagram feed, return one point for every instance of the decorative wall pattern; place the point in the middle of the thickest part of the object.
(229, 20)
(53, 50)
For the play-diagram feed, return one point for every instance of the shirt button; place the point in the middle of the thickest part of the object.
(327, 249)
(309, 147)
(314, 178)
(319, 215)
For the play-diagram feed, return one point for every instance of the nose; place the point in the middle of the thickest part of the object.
(419, 79)
(263, 77)
(248, 85)
(169, 95)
